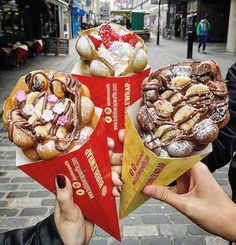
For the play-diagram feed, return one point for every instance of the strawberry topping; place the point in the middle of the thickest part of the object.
(97, 43)
(108, 36)
(130, 38)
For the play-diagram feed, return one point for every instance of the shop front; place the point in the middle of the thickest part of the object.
(59, 19)
(76, 15)
(184, 15)
(11, 26)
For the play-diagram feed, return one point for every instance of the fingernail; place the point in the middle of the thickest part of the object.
(61, 181)
(148, 190)
(110, 154)
(121, 180)
(110, 143)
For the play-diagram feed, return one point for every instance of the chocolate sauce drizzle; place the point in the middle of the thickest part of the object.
(71, 88)
(204, 104)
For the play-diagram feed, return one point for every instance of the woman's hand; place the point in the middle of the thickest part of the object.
(199, 197)
(70, 222)
(116, 164)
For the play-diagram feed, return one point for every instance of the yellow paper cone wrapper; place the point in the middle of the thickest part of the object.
(142, 167)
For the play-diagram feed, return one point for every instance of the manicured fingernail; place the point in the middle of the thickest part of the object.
(61, 181)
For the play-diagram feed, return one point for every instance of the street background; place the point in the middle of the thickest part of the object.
(23, 202)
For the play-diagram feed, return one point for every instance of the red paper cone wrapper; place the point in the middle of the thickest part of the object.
(142, 167)
(89, 171)
(114, 95)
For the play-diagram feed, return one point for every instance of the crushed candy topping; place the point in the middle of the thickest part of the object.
(21, 96)
(62, 120)
(47, 115)
(58, 108)
(52, 98)
(29, 109)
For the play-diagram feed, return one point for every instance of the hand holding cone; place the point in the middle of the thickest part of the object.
(178, 118)
(69, 220)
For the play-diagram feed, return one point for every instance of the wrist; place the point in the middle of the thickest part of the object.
(231, 225)
(55, 228)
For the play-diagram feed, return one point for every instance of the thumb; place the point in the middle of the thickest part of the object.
(121, 135)
(64, 196)
(165, 195)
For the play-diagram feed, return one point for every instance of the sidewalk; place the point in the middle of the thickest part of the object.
(23, 202)
(175, 50)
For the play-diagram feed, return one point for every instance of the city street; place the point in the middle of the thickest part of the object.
(23, 202)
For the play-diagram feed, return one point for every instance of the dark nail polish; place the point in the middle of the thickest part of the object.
(61, 181)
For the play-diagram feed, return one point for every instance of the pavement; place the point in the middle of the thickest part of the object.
(23, 202)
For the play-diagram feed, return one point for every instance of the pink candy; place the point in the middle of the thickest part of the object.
(62, 120)
(21, 96)
(52, 98)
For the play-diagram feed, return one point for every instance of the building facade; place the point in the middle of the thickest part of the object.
(181, 16)
(231, 39)
(29, 19)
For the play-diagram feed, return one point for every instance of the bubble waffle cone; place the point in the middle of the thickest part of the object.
(110, 50)
(183, 106)
(56, 127)
(142, 167)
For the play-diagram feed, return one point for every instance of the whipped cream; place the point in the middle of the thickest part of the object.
(117, 55)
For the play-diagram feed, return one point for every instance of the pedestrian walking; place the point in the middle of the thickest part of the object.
(203, 29)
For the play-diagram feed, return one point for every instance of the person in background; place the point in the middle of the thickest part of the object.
(202, 30)
(231, 85)
(224, 147)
